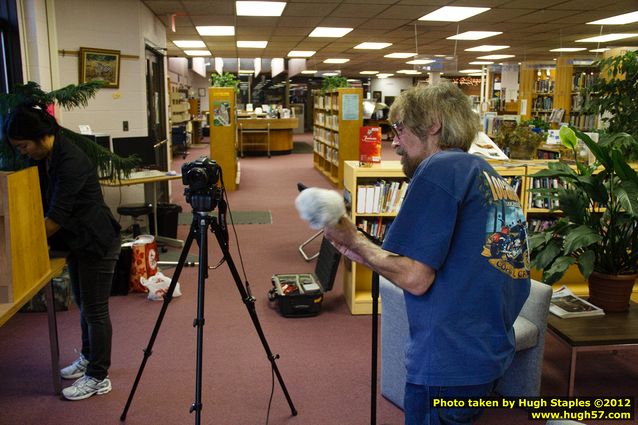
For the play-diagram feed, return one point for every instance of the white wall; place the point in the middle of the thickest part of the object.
(123, 25)
(390, 86)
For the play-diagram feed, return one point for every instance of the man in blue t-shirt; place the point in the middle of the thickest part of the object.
(458, 249)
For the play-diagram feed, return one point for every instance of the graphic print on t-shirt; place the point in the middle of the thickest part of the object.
(506, 228)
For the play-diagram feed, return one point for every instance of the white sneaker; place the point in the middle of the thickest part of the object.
(85, 387)
(75, 370)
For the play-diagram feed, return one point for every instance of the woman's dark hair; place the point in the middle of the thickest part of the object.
(29, 122)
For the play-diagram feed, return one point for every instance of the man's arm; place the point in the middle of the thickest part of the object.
(50, 226)
(411, 275)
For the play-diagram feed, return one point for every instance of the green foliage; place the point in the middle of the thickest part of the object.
(331, 83)
(71, 96)
(519, 140)
(225, 79)
(615, 92)
(536, 122)
(598, 229)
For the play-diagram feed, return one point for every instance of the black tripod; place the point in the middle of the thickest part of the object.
(202, 220)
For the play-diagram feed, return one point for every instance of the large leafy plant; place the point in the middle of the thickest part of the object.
(109, 165)
(614, 93)
(333, 82)
(225, 79)
(598, 229)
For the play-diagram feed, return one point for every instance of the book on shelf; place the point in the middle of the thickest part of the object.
(565, 304)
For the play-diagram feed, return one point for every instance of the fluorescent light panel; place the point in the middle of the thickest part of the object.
(384, 75)
(372, 46)
(399, 55)
(309, 71)
(486, 48)
(408, 71)
(625, 18)
(301, 53)
(603, 49)
(481, 63)
(470, 71)
(569, 49)
(189, 43)
(330, 74)
(606, 38)
(453, 13)
(329, 32)
(420, 61)
(215, 30)
(474, 35)
(260, 8)
(495, 57)
(198, 52)
(252, 44)
(336, 60)
(369, 72)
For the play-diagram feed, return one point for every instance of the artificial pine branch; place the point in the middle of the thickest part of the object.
(110, 166)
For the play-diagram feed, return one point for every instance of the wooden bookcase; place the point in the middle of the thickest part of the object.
(536, 91)
(357, 279)
(338, 115)
(223, 133)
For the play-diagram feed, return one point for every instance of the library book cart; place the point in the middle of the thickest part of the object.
(373, 197)
(24, 257)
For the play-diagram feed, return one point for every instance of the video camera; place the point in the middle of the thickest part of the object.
(201, 177)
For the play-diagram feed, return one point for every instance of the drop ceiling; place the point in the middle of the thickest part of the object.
(530, 27)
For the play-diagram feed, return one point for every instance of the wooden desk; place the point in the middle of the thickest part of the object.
(7, 310)
(150, 180)
(280, 133)
(611, 332)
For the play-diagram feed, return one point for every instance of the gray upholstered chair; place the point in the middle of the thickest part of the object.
(522, 378)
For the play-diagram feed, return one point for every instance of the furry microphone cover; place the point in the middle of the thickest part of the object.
(320, 207)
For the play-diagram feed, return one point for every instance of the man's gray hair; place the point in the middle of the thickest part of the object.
(419, 107)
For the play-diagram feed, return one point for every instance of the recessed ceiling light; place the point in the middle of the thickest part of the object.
(626, 18)
(198, 52)
(408, 71)
(215, 30)
(330, 74)
(252, 44)
(260, 8)
(372, 46)
(569, 49)
(495, 57)
(453, 13)
(474, 35)
(336, 60)
(470, 71)
(486, 48)
(420, 61)
(384, 75)
(329, 32)
(605, 38)
(602, 49)
(309, 71)
(301, 53)
(189, 43)
(369, 72)
(399, 55)
(481, 63)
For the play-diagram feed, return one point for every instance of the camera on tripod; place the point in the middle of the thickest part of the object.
(200, 178)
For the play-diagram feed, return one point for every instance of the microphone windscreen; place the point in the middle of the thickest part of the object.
(320, 207)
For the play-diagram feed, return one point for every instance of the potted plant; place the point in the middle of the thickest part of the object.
(225, 79)
(333, 82)
(110, 166)
(519, 142)
(598, 229)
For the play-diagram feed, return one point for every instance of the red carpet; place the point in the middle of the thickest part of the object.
(324, 360)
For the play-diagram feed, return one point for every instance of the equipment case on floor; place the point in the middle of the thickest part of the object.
(301, 294)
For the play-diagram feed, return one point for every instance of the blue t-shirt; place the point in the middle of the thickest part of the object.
(462, 219)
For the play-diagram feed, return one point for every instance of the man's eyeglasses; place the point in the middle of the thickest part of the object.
(397, 128)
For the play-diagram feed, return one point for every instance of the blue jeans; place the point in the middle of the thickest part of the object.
(419, 411)
(91, 279)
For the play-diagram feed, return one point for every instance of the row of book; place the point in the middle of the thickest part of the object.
(327, 120)
(583, 121)
(380, 197)
(377, 228)
(582, 80)
(331, 155)
(544, 86)
(326, 102)
(326, 136)
(544, 103)
(535, 225)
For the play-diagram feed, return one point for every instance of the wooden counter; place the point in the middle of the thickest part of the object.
(280, 134)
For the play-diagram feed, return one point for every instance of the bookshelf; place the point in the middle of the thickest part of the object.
(536, 90)
(338, 115)
(357, 279)
(223, 133)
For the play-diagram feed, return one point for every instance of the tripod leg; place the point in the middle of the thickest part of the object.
(249, 301)
(167, 299)
(199, 321)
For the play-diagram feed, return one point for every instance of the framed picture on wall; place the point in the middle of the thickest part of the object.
(376, 96)
(201, 92)
(100, 64)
